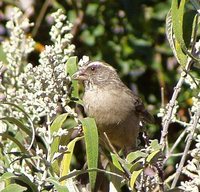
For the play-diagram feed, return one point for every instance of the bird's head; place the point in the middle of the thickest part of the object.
(95, 72)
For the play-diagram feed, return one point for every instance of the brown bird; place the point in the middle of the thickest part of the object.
(115, 108)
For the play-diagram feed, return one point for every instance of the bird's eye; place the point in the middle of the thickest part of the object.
(92, 68)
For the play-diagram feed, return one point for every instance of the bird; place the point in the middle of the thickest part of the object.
(117, 110)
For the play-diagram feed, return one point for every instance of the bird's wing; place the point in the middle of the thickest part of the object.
(145, 116)
(137, 103)
(139, 107)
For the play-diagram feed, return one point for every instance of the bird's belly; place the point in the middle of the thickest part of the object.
(113, 116)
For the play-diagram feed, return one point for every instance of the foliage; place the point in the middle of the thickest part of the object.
(42, 145)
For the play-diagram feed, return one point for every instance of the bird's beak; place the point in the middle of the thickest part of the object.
(79, 75)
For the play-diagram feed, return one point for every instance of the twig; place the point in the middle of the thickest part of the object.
(168, 117)
(170, 178)
(79, 172)
(127, 172)
(80, 8)
(162, 97)
(174, 146)
(179, 154)
(189, 141)
(78, 22)
(178, 141)
(40, 17)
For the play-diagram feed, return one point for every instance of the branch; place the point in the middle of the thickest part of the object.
(168, 117)
(80, 9)
(179, 139)
(40, 17)
(189, 141)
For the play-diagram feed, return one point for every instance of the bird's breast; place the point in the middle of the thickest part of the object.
(107, 106)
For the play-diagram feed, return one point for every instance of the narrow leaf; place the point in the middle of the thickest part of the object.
(15, 188)
(7, 175)
(134, 177)
(135, 155)
(155, 144)
(116, 162)
(20, 145)
(71, 69)
(57, 185)
(23, 178)
(58, 122)
(169, 34)
(177, 12)
(56, 125)
(189, 19)
(27, 116)
(152, 155)
(65, 163)
(91, 142)
(19, 124)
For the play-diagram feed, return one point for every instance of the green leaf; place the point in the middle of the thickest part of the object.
(2, 55)
(71, 69)
(19, 124)
(155, 144)
(177, 11)
(7, 175)
(65, 163)
(27, 116)
(26, 180)
(55, 126)
(152, 155)
(136, 166)
(134, 177)
(116, 162)
(13, 139)
(188, 26)
(57, 185)
(135, 155)
(15, 188)
(58, 122)
(92, 143)
(23, 178)
(169, 34)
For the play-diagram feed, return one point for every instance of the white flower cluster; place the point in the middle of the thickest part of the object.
(83, 61)
(18, 46)
(44, 88)
(162, 112)
(193, 83)
(196, 103)
(192, 170)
